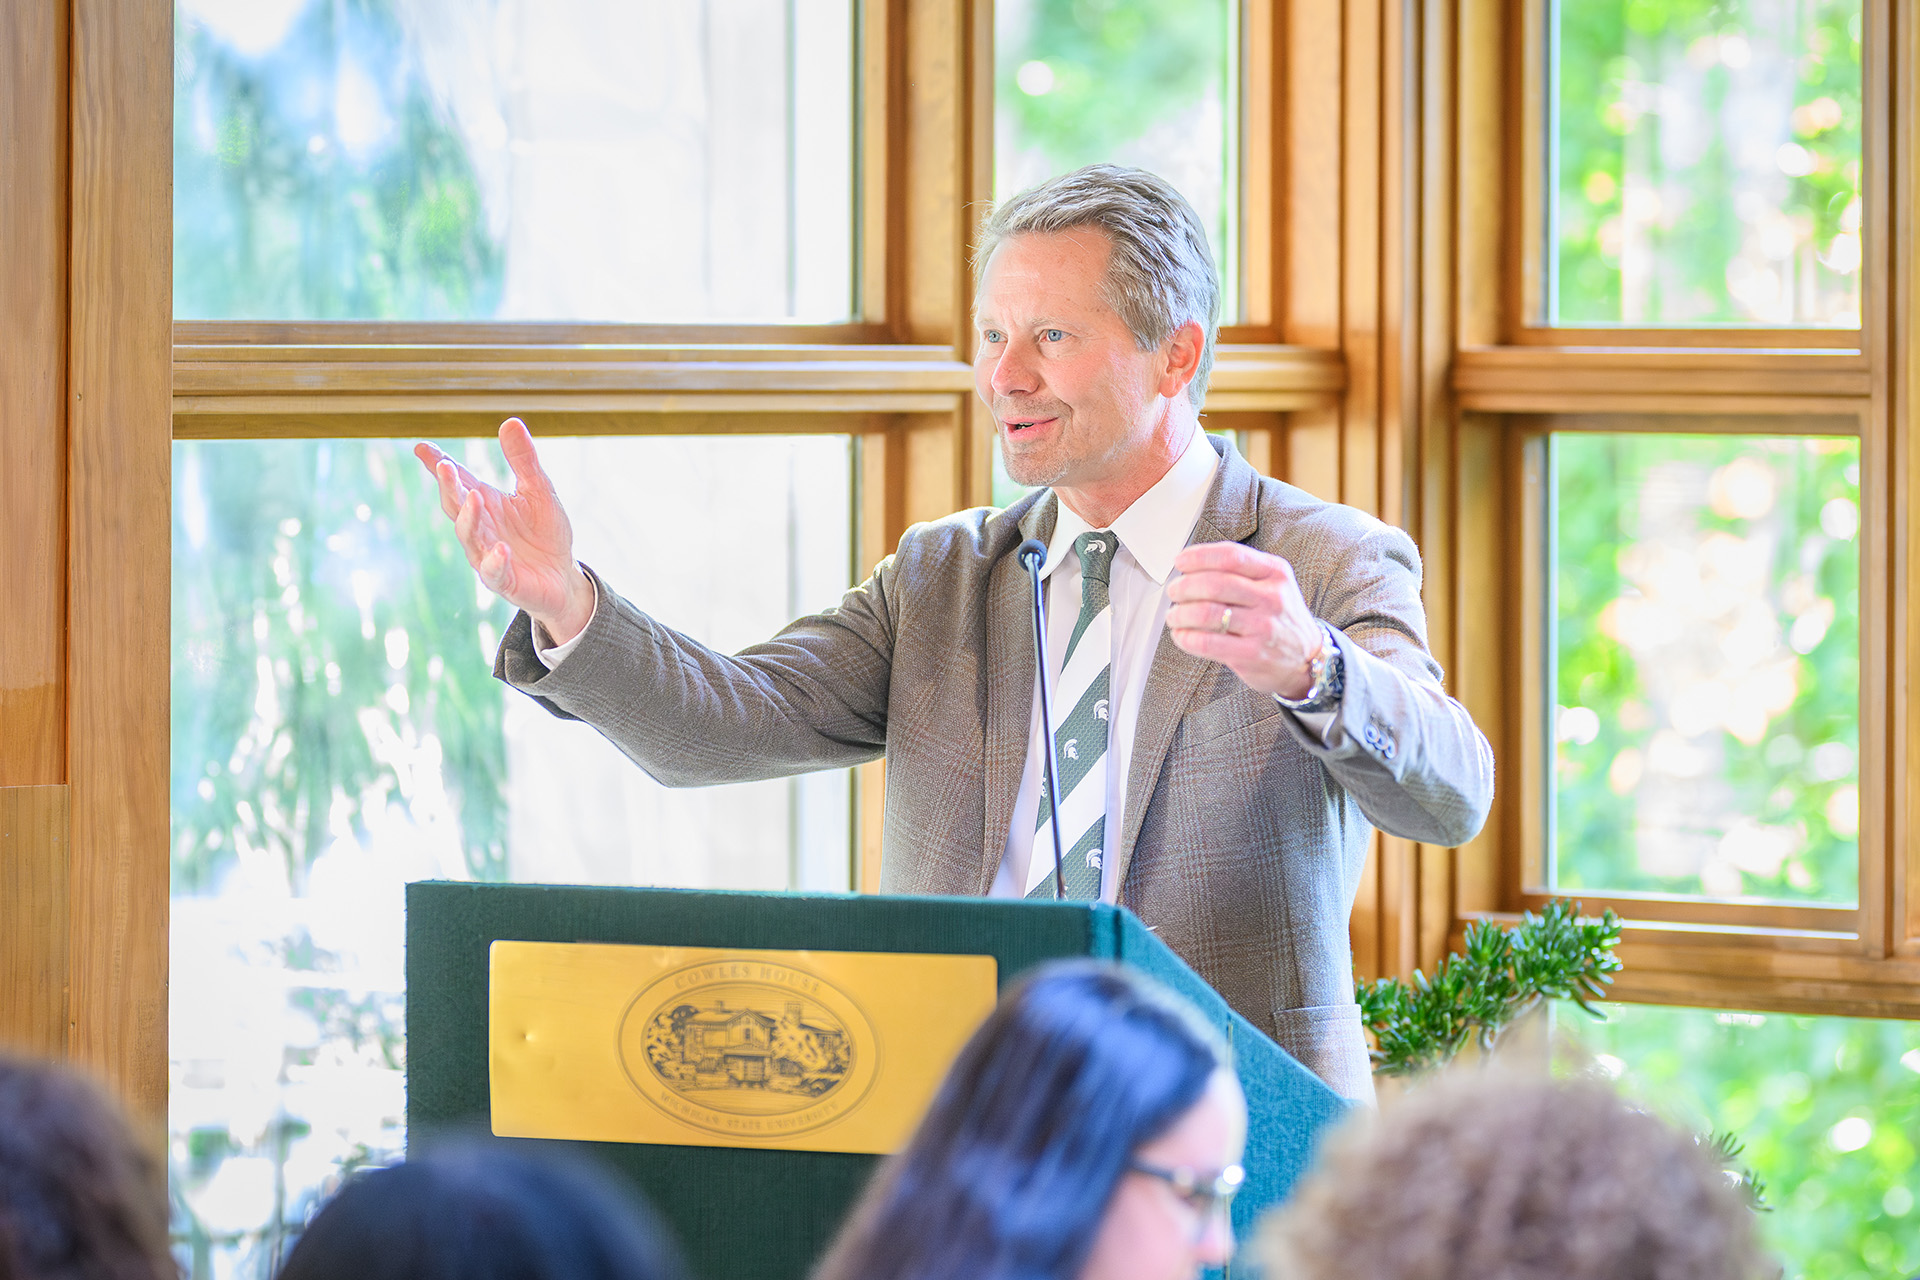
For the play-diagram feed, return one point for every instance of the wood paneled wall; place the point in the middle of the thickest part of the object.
(33, 318)
(1365, 233)
(34, 812)
(85, 373)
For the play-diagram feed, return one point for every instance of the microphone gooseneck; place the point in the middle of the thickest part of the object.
(1033, 555)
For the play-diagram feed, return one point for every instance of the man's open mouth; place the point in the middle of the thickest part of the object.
(1017, 425)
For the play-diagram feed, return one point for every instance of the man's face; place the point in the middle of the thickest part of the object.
(1071, 392)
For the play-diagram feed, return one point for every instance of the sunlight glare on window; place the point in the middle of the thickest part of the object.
(584, 160)
(1704, 163)
(337, 732)
(1705, 632)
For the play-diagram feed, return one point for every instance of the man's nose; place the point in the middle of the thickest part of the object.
(1016, 372)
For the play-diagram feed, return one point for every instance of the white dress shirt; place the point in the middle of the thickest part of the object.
(552, 655)
(1151, 532)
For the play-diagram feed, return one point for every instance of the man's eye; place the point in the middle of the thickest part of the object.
(1055, 335)
(990, 335)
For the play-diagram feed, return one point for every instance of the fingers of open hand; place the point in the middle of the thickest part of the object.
(456, 482)
(474, 524)
(516, 445)
(495, 568)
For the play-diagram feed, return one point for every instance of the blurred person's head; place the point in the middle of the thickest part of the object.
(1084, 1133)
(80, 1199)
(481, 1211)
(1494, 1175)
(1096, 311)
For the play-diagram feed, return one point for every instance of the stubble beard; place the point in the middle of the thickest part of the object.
(1032, 471)
(1042, 467)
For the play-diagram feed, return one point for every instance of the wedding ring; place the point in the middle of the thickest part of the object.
(1226, 620)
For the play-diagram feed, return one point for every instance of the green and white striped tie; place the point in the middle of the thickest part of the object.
(1080, 712)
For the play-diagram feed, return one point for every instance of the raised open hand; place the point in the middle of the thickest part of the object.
(520, 543)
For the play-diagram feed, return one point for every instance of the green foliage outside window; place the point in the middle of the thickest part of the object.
(1115, 69)
(332, 703)
(331, 657)
(1126, 82)
(1706, 665)
(1828, 1110)
(293, 200)
(1705, 162)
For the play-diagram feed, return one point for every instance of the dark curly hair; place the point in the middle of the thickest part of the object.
(1493, 1175)
(80, 1199)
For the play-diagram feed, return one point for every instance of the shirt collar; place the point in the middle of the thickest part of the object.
(1157, 526)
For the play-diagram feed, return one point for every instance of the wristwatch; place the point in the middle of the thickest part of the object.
(1329, 672)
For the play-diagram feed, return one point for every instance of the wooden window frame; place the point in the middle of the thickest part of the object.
(109, 380)
(1514, 380)
(1524, 279)
(899, 379)
(1380, 364)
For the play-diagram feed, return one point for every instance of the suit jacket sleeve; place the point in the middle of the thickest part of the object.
(813, 697)
(1409, 755)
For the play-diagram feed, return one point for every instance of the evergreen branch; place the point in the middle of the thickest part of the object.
(1496, 977)
(1724, 1149)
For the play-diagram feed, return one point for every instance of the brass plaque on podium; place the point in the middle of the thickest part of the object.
(707, 1047)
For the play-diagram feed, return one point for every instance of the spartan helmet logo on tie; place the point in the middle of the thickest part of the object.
(1096, 546)
(1093, 859)
(1072, 748)
(1100, 708)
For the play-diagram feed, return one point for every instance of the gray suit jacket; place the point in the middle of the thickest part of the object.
(1244, 832)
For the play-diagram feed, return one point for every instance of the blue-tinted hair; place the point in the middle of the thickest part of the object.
(474, 1211)
(1013, 1166)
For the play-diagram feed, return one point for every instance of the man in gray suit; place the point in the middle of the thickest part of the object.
(1241, 671)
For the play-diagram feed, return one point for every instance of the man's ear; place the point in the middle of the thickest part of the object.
(1183, 359)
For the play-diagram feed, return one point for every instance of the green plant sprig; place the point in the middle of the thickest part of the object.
(1496, 978)
(1725, 1150)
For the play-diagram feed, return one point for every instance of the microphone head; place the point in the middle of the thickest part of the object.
(1033, 554)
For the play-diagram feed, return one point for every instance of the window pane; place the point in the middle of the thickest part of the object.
(1705, 628)
(1132, 82)
(1828, 1110)
(337, 732)
(1705, 162)
(657, 160)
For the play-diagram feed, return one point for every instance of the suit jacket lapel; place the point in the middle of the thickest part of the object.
(1010, 677)
(1231, 514)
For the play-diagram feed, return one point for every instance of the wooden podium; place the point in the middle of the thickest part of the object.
(741, 1212)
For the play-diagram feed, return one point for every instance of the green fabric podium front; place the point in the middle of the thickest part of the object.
(768, 1215)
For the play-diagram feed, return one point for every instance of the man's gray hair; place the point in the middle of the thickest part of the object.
(1161, 274)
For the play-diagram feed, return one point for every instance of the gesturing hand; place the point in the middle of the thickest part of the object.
(520, 543)
(1242, 607)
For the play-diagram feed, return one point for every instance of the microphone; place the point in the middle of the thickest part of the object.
(1033, 554)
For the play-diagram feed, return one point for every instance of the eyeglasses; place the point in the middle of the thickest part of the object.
(1208, 1193)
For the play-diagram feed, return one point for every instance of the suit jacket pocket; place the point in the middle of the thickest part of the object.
(1239, 710)
(1328, 1040)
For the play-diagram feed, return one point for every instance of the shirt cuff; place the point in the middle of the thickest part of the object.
(1316, 722)
(551, 655)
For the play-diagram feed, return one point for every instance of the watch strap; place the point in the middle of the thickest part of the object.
(1329, 672)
